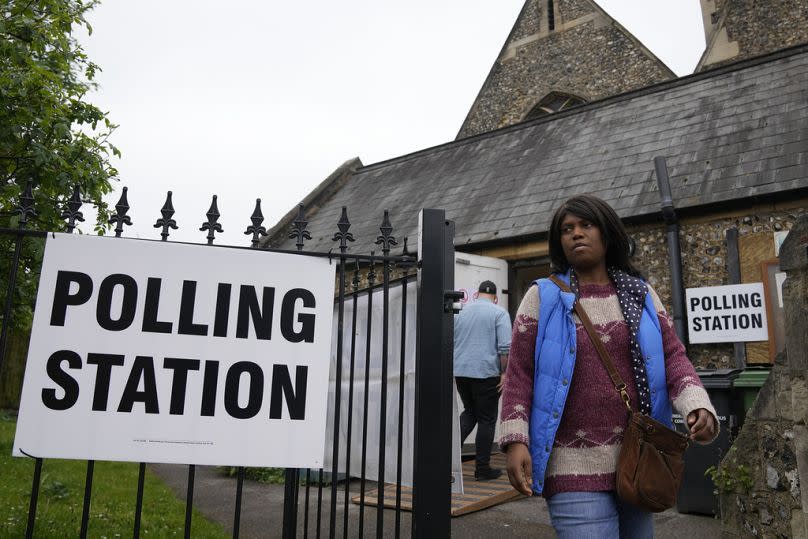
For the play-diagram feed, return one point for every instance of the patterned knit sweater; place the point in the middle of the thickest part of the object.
(587, 442)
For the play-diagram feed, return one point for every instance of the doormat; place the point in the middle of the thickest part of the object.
(477, 495)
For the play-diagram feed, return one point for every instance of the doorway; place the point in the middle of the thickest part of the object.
(522, 274)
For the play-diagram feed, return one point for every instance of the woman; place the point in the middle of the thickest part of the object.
(562, 426)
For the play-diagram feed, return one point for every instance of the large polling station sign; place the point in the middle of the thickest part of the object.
(164, 352)
(731, 313)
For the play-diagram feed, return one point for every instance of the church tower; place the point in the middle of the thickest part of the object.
(560, 53)
(738, 29)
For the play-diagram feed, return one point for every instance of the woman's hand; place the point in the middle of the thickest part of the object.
(520, 468)
(701, 424)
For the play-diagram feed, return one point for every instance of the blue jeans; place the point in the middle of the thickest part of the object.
(596, 515)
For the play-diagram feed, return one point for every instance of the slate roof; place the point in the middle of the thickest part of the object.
(736, 132)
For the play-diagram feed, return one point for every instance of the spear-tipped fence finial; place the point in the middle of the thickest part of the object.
(299, 225)
(71, 211)
(26, 207)
(212, 225)
(120, 218)
(386, 239)
(343, 236)
(166, 221)
(255, 228)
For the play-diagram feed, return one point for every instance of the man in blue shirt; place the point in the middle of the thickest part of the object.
(482, 339)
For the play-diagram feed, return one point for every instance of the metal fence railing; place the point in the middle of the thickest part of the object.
(369, 277)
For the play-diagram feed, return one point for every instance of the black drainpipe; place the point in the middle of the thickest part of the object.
(674, 251)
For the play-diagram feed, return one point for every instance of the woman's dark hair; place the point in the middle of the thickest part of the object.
(600, 214)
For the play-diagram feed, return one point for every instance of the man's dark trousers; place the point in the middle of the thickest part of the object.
(480, 400)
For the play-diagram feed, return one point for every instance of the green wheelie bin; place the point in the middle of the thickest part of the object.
(747, 385)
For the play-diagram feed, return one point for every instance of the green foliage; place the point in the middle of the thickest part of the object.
(274, 476)
(28, 269)
(730, 477)
(49, 134)
(112, 505)
(55, 490)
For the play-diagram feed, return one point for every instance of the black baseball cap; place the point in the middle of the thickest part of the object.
(487, 287)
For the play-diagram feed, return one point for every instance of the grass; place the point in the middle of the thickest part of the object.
(61, 496)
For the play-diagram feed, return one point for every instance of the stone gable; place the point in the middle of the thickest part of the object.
(744, 28)
(587, 55)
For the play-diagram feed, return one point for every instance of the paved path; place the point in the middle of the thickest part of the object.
(262, 511)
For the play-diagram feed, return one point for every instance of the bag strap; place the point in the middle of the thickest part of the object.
(619, 385)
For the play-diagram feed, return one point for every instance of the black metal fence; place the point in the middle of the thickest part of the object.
(307, 491)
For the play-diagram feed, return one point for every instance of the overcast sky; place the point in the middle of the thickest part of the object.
(248, 98)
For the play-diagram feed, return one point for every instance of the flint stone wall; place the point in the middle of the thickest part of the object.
(773, 443)
(760, 27)
(704, 263)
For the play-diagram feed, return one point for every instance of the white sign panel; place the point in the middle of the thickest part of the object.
(164, 352)
(365, 421)
(731, 313)
(471, 270)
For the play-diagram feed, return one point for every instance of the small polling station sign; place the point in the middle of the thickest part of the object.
(150, 351)
(731, 313)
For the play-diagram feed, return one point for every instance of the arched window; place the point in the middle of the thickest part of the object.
(553, 102)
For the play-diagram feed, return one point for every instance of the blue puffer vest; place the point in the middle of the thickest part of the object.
(555, 363)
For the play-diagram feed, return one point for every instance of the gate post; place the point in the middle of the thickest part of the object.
(432, 467)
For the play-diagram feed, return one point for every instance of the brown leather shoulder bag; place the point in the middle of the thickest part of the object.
(651, 461)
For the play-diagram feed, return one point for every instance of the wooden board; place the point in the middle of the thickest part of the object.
(477, 495)
(754, 249)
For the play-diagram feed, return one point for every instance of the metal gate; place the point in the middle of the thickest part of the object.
(312, 505)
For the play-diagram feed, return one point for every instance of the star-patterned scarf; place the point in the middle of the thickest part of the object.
(631, 293)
